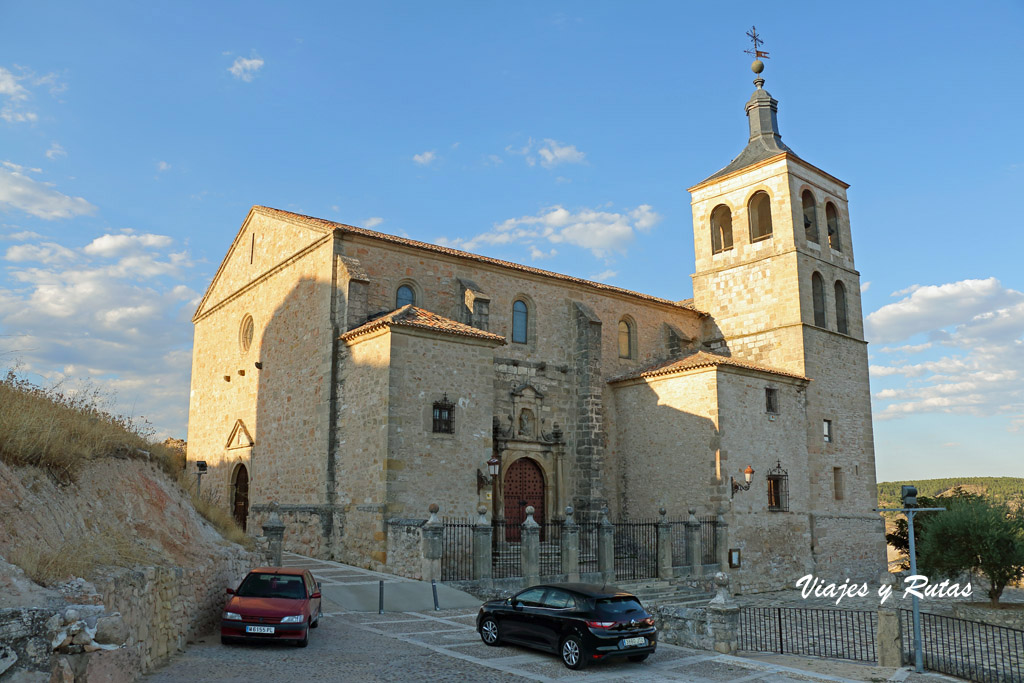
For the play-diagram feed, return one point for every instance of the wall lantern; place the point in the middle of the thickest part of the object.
(736, 486)
(200, 471)
(484, 480)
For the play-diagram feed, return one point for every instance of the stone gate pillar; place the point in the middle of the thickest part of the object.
(694, 551)
(724, 618)
(530, 548)
(570, 547)
(664, 547)
(722, 540)
(606, 548)
(273, 529)
(483, 534)
(432, 534)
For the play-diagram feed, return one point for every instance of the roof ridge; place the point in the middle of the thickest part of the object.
(413, 316)
(373, 234)
(700, 359)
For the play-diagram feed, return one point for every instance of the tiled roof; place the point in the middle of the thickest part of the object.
(411, 316)
(700, 359)
(351, 229)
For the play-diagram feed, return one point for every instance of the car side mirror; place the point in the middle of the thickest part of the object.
(517, 605)
(315, 595)
(231, 591)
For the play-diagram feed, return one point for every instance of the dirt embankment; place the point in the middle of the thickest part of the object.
(124, 526)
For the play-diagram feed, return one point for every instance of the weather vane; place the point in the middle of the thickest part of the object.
(756, 40)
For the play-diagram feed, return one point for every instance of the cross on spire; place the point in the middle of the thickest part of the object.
(756, 40)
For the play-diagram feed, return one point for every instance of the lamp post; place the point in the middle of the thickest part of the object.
(200, 471)
(909, 496)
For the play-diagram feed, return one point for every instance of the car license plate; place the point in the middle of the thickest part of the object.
(270, 629)
(633, 642)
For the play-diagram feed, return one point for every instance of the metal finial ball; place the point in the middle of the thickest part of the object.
(757, 66)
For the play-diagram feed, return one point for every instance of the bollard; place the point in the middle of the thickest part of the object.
(433, 585)
(380, 601)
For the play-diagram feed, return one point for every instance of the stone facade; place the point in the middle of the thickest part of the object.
(330, 407)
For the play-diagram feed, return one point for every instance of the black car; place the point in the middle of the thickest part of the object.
(581, 622)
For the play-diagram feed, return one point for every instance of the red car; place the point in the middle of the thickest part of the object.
(272, 603)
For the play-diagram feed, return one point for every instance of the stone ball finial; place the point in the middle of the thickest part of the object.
(529, 510)
(569, 510)
(692, 511)
(721, 579)
(662, 511)
(757, 66)
(481, 510)
(273, 507)
(434, 508)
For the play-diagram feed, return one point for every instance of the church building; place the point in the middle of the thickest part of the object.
(355, 377)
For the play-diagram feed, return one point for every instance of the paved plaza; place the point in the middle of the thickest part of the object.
(413, 642)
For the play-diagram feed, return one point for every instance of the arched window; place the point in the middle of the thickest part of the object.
(818, 295)
(520, 318)
(627, 339)
(721, 229)
(759, 213)
(405, 296)
(832, 219)
(810, 217)
(245, 333)
(841, 324)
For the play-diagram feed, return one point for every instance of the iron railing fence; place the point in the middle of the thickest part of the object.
(588, 546)
(551, 548)
(506, 557)
(636, 550)
(966, 649)
(708, 539)
(457, 549)
(834, 633)
(677, 534)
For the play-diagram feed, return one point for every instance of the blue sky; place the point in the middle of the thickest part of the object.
(134, 137)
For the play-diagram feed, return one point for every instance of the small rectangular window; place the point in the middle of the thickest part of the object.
(443, 422)
(771, 400)
(837, 482)
(826, 427)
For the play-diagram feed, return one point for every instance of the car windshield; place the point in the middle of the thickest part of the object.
(619, 607)
(272, 586)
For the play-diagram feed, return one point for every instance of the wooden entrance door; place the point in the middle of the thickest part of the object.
(524, 485)
(241, 502)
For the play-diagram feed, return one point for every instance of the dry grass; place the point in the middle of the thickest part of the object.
(80, 558)
(222, 520)
(59, 430)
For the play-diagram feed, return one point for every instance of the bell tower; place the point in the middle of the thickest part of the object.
(775, 270)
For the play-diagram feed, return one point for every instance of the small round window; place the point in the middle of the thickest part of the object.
(245, 333)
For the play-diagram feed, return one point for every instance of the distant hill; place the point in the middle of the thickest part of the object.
(1009, 489)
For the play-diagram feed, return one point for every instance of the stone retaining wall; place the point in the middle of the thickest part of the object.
(683, 626)
(1009, 618)
(162, 608)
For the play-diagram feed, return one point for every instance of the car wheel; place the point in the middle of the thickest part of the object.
(639, 658)
(489, 632)
(573, 655)
(305, 640)
(225, 640)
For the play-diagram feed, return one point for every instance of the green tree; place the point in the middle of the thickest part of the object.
(900, 537)
(976, 535)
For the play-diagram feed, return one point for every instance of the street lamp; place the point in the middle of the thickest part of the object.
(494, 469)
(736, 486)
(200, 471)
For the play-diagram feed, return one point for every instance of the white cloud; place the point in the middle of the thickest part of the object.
(973, 361)
(112, 245)
(551, 153)
(424, 158)
(116, 315)
(604, 276)
(602, 232)
(246, 69)
(18, 191)
(14, 109)
(536, 253)
(22, 235)
(865, 286)
(163, 166)
(47, 252)
(55, 152)
(933, 307)
(371, 223)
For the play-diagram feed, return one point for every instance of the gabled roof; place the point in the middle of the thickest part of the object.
(700, 359)
(326, 225)
(411, 316)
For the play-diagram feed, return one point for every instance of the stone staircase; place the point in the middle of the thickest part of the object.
(660, 593)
